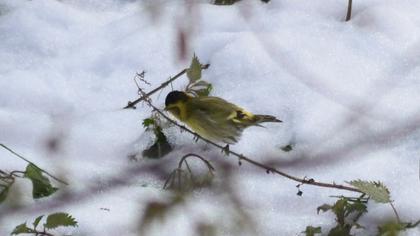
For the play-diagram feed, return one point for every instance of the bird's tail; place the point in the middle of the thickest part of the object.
(266, 118)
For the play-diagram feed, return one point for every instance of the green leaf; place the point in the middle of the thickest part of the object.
(21, 229)
(339, 210)
(376, 190)
(3, 193)
(194, 72)
(311, 231)
(356, 207)
(41, 184)
(37, 220)
(200, 88)
(147, 122)
(60, 219)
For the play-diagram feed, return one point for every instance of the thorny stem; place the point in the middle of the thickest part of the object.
(23, 158)
(244, 158)
(163, 85)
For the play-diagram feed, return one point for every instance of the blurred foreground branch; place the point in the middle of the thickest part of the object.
(29, 162)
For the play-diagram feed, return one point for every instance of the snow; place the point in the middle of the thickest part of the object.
(346, 91)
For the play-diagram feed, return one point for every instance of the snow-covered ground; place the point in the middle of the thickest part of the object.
(348, 93)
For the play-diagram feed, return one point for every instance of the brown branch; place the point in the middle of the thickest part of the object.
(349, 6)
(253, 162)
(163, 85)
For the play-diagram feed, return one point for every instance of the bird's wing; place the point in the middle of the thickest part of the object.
(213, 116)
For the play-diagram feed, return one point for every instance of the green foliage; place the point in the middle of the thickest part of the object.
(196, 85)
(395, 228)
(60, 219)
(41, 184)
(347, 212)
(200, 88)
(311, 231)
(37, 220)
(376, 190)
(194, 71)
(4, 190)
(161, 146)
(53, 221)
(22, 229)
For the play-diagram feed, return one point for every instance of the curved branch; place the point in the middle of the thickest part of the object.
(253, 162)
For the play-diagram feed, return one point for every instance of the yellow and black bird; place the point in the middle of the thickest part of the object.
(212, 117)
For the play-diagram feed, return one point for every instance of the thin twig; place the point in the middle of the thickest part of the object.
(23, 158)
(255, 163)
(163, 85)
(395, 212)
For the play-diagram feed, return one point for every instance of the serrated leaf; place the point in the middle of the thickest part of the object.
(311, 231)
(323, 208)
(3, 193)
(36, 221)
(60, 219)
(194, 71)
(21, 229)
(376, 190)
(41, 184)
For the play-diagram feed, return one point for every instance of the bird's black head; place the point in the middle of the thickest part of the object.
(174, 97)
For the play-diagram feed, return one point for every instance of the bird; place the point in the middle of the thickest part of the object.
(213, 118)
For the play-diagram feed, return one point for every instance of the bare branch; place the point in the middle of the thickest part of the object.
(163, 85)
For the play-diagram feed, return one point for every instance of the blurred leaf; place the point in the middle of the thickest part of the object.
(21, 229)
(206, 229)
(311, 231)
(60, 219)
(156, 210)
(324, 208)
(376, 190)
(37, 220)
(339, 211)
(390, 229)
(41, 184)
(147, 122)
(356, 207)
(194, 72)
(287, 148)
(340, 230)
(3, 193)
